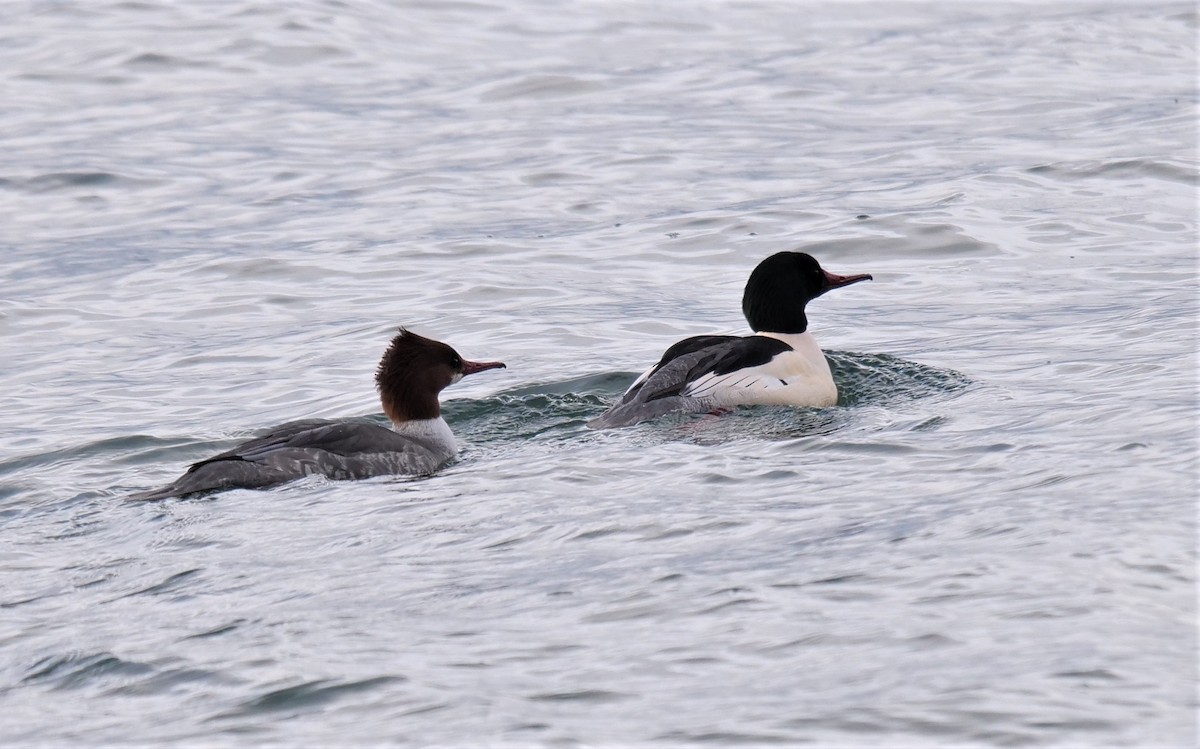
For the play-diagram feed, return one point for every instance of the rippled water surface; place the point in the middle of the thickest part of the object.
(213, 216)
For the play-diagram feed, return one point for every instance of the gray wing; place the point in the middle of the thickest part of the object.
(657, 396)
(338, 450)
(341, 438)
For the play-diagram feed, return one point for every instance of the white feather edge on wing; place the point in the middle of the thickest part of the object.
(731, 387)
(790, 379)
(641, 379)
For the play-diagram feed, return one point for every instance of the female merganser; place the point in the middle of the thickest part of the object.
(411, 373)
(780, 365)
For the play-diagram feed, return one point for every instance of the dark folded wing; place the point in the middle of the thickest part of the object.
(339, 450)
(669, 386)
(336, 437)
(694, 358)
(276, 436)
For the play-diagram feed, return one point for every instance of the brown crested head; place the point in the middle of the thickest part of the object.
(414, 370)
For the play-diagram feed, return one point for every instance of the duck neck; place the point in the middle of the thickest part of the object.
(403, 402)
(775, 315)
(434, 432)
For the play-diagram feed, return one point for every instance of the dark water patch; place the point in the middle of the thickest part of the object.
(147, 450)
(737, 603)
(169, 585)
(105, 80)
(542, 87)
(301, 55)
(932, 641)
(583, 695)
(666, 535)
(1172, 573)
(159, 61)
(600, 383)
(886, 379)
(424, 709)
(1117, 169)
(77, 670)
(85, 517)
(59, 181)
(308, 696)
(730, 738)
(509, 417)
(719, 478)
(754, 423)
(1077, 724)
(933, 422)
(923, 236)
(628, 613)
(1048, 612)
(1096, 674)
(777, 475)
(30, 599)
(840, 579)
(166, 681)
(7, 491)
(599, 533)
(218, 631)
(854, 722)
(131, 449)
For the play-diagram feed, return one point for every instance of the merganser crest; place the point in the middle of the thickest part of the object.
(411, 373)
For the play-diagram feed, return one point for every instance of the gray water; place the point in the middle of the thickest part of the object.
(214, 215)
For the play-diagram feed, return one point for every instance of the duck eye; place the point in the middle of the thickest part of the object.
(456, 363)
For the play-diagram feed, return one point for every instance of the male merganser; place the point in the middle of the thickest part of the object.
(780, 365)
(411, 373)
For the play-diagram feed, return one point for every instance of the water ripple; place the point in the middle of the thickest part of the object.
(213, 217)
(304, 697)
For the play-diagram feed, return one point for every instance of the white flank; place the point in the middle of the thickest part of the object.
(800, 377)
